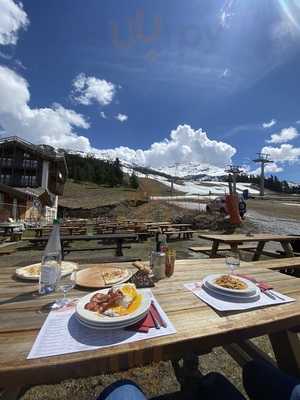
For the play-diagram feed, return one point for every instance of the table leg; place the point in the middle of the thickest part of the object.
(119, 251)
(234, 246)
(286, 346)
(258, 251)
(214, 249)
(62, 249)
(189, 372)
(287, 247)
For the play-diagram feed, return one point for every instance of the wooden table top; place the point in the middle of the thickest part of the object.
(199, 328)
(87, 237)
(238, 238)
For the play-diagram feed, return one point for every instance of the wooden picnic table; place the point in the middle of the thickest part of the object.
(9, 227)
(40, 231)
(199, 327)
(238, 239)
(118, 238)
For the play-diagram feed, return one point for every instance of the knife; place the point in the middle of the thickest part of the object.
(162, 322)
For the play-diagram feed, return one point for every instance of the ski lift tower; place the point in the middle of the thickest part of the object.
(173, 179)
(233, 171)
(263, 159)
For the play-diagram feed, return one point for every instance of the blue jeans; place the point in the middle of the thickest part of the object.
(122, 390)
(263, 381)
(211, 386)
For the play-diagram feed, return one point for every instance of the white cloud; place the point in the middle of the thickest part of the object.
(284, 153)
(285, 135)
(103, 115)
(183, 146)
(226, 13)
(269, 169)
(225, 73)
(89, 89)
(121, 117)
(52, 125)
(55, 126)
(12, 19)
(269, 124)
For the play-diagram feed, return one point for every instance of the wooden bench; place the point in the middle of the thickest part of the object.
(68, 250)
(290, 263)
(6, 251)
(222, 247)
(180, 234)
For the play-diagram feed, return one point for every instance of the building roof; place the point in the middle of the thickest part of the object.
(45, 151)
(22, 193)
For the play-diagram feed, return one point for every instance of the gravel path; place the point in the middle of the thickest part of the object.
(286, 226)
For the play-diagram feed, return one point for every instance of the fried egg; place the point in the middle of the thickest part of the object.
(128, 304)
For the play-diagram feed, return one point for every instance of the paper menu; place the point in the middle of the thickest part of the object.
(61, 333)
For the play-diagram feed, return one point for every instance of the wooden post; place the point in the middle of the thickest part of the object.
(214, 249)
(258, 251)
(286, 347)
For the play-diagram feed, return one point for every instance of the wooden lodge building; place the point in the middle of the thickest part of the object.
(31, 179)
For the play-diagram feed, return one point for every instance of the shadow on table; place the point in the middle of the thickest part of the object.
(96, 337)
(21, 297)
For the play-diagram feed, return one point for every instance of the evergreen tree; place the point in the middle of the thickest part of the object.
(133, 181)
(118, 172)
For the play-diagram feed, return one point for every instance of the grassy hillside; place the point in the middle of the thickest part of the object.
(90, 195)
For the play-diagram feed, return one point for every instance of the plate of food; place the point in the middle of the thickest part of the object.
(114, 308)
(32, 272)
(232, 297)
(102, 276)
(230, 284)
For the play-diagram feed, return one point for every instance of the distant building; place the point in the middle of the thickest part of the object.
(31, 179)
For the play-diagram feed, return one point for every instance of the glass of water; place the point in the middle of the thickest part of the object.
(65, 284)
(233, 261)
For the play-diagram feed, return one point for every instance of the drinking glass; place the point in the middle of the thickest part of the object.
(233, 261)
(65, 284)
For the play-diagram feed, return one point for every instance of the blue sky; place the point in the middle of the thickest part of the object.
(225, 67)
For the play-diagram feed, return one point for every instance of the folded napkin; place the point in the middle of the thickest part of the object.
(263, 286)
(145, 324)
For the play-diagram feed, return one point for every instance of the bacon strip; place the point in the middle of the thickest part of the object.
(101, 302)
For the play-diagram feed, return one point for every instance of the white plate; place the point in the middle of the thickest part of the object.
(209, 281)
(67, 268)
(93, 286)
(103, 320)
(234, 298)
(119, 325)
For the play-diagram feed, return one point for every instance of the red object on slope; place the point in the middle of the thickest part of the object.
(232, 204)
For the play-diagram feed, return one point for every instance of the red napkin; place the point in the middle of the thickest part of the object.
(262, 285)
(145, 324)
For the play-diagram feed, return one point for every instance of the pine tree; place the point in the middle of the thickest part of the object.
(133, 181)
(118, 172)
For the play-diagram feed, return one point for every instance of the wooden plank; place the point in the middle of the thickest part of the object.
(222, 247)
(245, 238)
(278, 264)
(245, 351)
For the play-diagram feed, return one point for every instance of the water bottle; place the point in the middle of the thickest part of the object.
(51, 262)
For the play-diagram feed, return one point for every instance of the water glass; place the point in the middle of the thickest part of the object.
(233, 261)
(65, 284)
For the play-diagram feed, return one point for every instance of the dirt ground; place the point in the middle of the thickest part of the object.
(159, 378)
(276, 209)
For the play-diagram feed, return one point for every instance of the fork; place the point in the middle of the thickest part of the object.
(273, 295)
